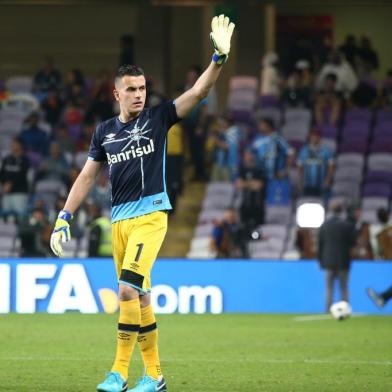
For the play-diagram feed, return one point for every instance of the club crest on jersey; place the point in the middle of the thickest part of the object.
(133, 152)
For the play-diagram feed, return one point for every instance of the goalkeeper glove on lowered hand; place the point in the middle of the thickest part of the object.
(222, 30)
(61, 232)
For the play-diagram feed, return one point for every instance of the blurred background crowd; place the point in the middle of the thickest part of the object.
(313, 128)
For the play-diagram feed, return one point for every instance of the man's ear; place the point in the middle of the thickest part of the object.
(116, 95)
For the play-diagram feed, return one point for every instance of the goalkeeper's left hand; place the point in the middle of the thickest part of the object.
(222, 30)
(61, 232)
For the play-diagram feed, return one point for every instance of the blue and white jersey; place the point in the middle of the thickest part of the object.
(271, 152)
(315, 163)
(136, 152)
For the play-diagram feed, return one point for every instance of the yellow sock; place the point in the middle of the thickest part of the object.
(148, 342)
(128, 330)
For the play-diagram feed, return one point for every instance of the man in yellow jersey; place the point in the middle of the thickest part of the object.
(134, 146)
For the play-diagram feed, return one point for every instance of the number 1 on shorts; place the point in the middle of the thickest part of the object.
(139, 251)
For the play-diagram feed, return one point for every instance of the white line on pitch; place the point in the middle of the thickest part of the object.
(319, 317)
(216, 360)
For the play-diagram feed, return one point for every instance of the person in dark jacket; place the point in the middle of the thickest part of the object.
(336, 238)
(13, 181)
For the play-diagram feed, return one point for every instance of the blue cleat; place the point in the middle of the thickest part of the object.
(149, 384)
(113, 383)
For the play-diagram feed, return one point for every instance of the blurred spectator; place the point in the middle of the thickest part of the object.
(46, 79)
(52, 107)
(84, 141)
(55, 166)
(101, 107)
(35, 140)
(364, 95)
(229, 238)
(100, 194)
(100, 236)
(175, 163)
(375, 230)
(153, 97)
(75, 88)
(380, 299)
(226, 147)
(346, 80)
(73, 113)
(297, 92)
(13, 179)
(368, 57)
(273, 153)
(251, 186)
(384, 235)
(103, 84)
(316, 167)
(328, 102)
(270, 79)
(64, 140)
(350, 50)
(335, 239)
(195, 125)
(34, 233)
(386, 92)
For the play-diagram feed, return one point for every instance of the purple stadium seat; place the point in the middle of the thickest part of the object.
(350, 159)
(269, 101)
(383, 116)
(378, 176)
(356, 114)
(383, 129)
(349, 189)
(241, 116)
(356, 132)
(381, 145)
(329, 131)
(376, 189)
(358, 146)
(380, 161)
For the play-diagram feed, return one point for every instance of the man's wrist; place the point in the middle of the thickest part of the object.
(219, 58)
(65, 215)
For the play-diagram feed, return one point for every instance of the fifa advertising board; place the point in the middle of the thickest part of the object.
(184, 286)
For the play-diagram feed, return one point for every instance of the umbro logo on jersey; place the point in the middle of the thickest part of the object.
(132, 153)
(110, 136)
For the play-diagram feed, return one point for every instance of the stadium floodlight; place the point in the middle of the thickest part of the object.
(310, 215)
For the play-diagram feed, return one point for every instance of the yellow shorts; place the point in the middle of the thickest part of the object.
(136, 243)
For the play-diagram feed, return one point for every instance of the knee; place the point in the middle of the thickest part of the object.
(145, 300)
(127, 293)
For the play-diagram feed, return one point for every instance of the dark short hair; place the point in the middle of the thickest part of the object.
(128, 70)
(268, 121)
(337, 207)
(382, 215)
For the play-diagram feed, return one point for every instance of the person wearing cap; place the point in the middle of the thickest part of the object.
(316, 166)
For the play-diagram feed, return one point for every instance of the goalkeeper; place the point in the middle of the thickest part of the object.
(134, 146)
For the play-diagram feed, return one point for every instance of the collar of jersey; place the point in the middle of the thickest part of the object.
(126, 123)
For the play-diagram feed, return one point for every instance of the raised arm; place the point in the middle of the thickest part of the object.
(222, 31)
(79, 191)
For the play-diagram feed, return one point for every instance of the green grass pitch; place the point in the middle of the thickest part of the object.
(72, 352)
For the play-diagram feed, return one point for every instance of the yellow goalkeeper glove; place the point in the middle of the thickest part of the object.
(222, 30)
(61, 232)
